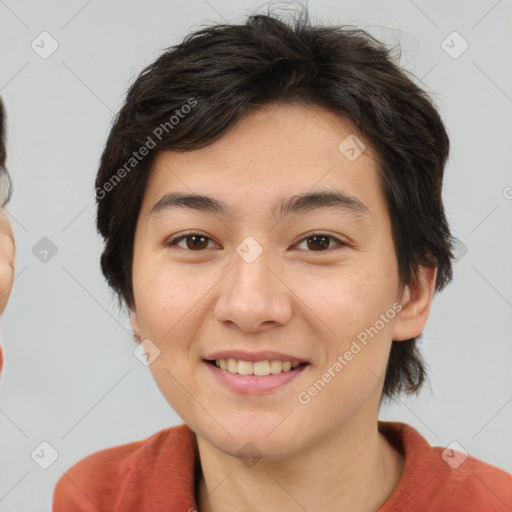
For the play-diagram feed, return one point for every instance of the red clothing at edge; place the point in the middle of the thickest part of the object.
(158, 474)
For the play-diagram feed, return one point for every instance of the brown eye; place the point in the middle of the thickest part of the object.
(193, 242)
(319, 242)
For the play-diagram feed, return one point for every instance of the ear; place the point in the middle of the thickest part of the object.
(134, 322)
(416, 301)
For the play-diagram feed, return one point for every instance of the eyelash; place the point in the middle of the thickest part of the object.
(173, 241)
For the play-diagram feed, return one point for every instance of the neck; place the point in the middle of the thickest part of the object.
(331, 475)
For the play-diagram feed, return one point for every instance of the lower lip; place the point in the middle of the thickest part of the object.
(255, 384)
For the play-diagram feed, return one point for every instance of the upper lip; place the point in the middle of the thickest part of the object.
(266, 355)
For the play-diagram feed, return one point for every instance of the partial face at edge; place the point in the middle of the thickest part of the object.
(294, 294)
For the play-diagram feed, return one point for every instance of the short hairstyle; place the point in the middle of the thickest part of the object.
(195, 91)
(5, 180)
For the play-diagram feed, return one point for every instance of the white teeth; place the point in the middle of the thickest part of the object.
(260, 368)
(275, 367)
(245, 368)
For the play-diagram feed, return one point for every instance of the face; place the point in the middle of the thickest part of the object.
(253, 282)
(7, 244)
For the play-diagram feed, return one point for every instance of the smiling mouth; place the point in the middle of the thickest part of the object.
(258, 368)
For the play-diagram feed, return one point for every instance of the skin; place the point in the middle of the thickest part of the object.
(326, 455)
(7, 258)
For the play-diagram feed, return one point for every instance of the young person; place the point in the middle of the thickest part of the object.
(7, 244)
(270, 200)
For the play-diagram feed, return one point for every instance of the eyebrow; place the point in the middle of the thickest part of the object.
(294, 204)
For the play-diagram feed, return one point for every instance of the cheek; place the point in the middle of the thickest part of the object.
(178, 387)
(360, 309)
(164, 297)
(167, 316)
(169, 308)
(350, 297)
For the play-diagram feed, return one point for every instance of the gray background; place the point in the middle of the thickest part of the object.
(70, 377)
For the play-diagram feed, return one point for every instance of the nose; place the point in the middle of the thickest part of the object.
(253, 295)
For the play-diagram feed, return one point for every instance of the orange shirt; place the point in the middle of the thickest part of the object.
(159, 474)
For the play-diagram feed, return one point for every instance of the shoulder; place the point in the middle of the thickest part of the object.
(441, 478)
(472, 481)
(100, 480)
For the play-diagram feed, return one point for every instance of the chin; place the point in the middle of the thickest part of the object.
(254, 440)
(251, 449)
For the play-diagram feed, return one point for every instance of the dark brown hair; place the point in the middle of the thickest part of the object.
(5, 180)
(195, 91)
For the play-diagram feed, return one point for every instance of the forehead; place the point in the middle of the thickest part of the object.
(272, 154)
